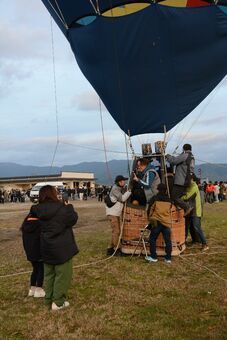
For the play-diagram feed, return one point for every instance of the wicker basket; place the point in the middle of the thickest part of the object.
(135, 220)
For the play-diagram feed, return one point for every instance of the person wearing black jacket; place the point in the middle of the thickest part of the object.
(58, 245)
(31, 229)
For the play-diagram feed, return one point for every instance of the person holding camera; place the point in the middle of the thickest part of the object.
(147, 178)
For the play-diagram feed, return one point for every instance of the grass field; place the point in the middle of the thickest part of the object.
(121, 298)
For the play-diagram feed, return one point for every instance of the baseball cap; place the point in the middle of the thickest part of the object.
(120, 178)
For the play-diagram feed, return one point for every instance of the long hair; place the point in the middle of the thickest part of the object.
(48, 193)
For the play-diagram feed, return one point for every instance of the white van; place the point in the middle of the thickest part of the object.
(34, 193)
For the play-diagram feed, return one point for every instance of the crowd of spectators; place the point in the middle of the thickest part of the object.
(81, 193)
(213, 192)
(14, 195)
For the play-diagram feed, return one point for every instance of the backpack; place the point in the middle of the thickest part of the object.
(188, 174)
(108, 201)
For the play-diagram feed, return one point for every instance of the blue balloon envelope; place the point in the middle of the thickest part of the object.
(151, 68)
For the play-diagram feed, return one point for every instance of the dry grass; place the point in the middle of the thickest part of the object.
(122, 298)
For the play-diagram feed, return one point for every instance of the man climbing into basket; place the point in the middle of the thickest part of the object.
(159, 217)
(184, 168)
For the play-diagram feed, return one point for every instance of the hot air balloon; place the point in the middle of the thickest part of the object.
(151, 62)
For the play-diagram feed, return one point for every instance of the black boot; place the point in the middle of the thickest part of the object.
(118, 253)
(110, 251)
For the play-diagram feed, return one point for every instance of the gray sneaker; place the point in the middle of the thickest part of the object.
(55, 307)
(205, 247)
(168, 261)
(150, 259)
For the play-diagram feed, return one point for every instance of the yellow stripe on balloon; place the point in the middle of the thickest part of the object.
(174, 3)
(125, 10)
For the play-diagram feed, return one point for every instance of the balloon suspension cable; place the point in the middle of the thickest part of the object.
(55, 97)
(94, 8)
(104, 143)
(61, 16)
(127, 153)
(130, 144)
(98, 9)
(132, 152)
(210, 98)
(164, 161)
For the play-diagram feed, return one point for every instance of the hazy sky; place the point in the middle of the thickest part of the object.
(27, 101)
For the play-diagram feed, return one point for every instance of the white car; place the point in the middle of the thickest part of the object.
(34, 193)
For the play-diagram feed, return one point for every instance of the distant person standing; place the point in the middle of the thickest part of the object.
(210, 192)
(81, 193)
(65, 196)
(2, 199)
(100, 192)
(222, 191)
(216, 192)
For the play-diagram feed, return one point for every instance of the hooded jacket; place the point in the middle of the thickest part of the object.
(149, 181)
(31, 230)
(57, 239)
(193, 191)
(181, 166)
(117, 196)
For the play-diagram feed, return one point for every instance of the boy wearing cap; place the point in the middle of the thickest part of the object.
(118, 195)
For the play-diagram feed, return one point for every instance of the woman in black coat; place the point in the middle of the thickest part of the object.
(58, 245)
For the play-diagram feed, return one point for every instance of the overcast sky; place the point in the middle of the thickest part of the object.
(27, 101)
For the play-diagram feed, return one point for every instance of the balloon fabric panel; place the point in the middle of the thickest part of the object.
(153, 67)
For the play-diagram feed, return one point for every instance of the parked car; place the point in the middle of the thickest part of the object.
(34, 193)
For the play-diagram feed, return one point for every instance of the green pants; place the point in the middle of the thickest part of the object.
(57, 280)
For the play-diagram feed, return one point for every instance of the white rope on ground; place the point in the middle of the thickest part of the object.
(15, 274)
(108, 258)
(203, 253)
(203, 267)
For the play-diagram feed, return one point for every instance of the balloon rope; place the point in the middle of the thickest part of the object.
(61, 14)
(93, 6)
(104, 143)
(164, 161)
(200, 114)
(61, 18)
(55, 97)
(97, 4)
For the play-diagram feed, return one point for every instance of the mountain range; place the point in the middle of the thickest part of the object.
(104, 172)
